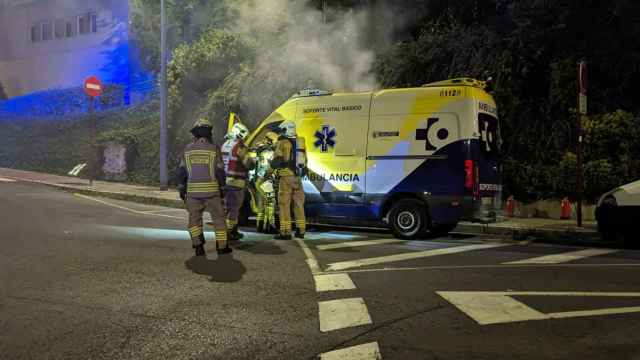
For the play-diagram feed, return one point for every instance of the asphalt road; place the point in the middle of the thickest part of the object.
(93, 278)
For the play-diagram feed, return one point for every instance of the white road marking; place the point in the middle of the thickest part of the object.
(349, 244)
(126, 208)
(473, 267)
(564, 257)
(311, 260)
(369, 351)
(165, 210)
(496, 307)
(76, 170)
(333, 282)
(6, 180)
(343, 313)
(409, 256)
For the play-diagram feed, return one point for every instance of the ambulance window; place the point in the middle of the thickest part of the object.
(489, 134)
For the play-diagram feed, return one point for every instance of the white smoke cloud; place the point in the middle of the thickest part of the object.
(291, 36)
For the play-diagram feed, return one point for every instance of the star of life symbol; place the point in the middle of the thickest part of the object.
(325, 138)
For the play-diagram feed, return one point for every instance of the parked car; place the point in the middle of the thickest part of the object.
(617, 210)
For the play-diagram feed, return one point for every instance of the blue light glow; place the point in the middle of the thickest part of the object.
(126, 81)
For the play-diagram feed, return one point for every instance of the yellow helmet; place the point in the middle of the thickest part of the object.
(271, 136)
(201, 122)
(288, 128)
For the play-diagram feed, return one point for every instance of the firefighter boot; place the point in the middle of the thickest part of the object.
(260, 226)
(299, 235)
(234, 236)
(224, 250)
(200, 250)
(236, 233)
(282, 237)
(270, 229)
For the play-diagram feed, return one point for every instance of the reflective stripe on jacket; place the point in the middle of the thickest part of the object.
(202, 161)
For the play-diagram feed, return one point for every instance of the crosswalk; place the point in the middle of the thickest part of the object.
(343, 265)
(564, 257)
(429, 249)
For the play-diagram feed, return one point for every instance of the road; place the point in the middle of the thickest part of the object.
(85, 277)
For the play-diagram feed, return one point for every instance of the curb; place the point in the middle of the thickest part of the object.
(565, 236)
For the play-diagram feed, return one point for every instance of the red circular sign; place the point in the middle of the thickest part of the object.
(92, 86)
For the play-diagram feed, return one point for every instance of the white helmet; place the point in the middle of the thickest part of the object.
(238, 131)
(288, 128)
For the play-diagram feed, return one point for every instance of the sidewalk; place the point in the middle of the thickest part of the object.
(138, 193)
(519, 228)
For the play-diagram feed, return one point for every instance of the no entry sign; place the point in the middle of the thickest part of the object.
(92, 86)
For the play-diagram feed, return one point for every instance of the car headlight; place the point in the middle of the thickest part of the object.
(609, 200)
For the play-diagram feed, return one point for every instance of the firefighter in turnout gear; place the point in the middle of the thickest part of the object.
(290, 162)
(200, 176)
(264, 184)
(237, 164)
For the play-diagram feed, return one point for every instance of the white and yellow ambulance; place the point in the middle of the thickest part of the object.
(416, 159)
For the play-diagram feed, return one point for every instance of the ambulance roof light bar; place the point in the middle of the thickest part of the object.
(458, 82)
(312, 92)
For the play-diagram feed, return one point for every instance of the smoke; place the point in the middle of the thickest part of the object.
(305, 46)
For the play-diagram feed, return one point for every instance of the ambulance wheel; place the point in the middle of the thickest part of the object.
(408, 219)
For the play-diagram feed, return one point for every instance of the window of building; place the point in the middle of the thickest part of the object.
(94, 23)
(36, 33)
(60, 28)
(84, 24)
(47, 30)
(70, 28)
(87, 23)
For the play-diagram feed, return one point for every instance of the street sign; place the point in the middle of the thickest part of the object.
(582, 99)
(92, 86)
(582, 96)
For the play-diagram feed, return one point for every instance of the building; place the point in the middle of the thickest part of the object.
(54, 45)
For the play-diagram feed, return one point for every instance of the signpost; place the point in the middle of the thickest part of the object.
(93, 88)
(582, 110)
(164, 177)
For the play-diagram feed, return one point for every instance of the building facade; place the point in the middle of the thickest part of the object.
(53, 45)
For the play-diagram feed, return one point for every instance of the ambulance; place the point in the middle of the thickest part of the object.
(416, 160)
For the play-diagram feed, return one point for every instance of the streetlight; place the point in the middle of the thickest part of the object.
(164, 178)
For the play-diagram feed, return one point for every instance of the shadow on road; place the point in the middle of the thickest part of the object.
(223, 269)
(261, 248)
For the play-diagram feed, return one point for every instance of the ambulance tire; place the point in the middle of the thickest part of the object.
(408, 219)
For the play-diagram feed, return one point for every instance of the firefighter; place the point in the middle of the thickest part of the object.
(200, 176)
(237, 164)
(264, 181)
(290, 163)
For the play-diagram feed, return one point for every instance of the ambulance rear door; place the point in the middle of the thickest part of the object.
(414, 145)
(335, 131)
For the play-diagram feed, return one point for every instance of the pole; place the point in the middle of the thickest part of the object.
(582, 110)
(92, 142)
(324, 11)
(163, 99)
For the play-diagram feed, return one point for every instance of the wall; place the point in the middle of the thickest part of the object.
(27, 67)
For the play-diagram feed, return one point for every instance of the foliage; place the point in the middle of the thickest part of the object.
(531, 49)
(56, 146)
